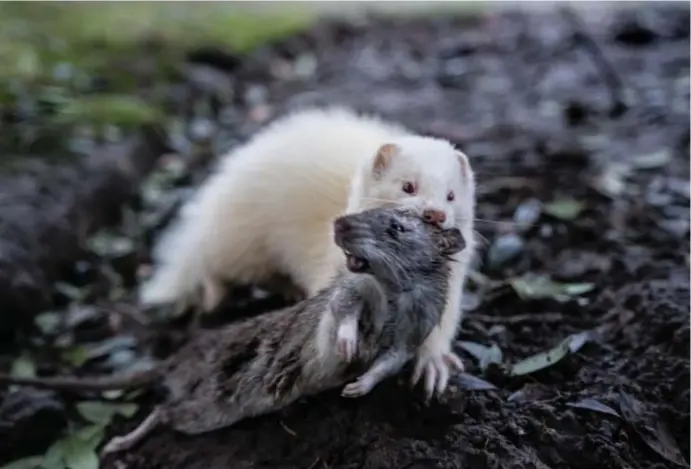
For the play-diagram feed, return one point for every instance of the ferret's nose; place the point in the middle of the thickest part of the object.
(434, 216)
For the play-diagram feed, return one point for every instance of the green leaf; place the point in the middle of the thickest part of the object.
(32, 462)
(54, 457)
(564, 209)
(23, 367)
(92, 434)
(483, 354)
(70, 291)
(109, 109)
(570, 344)
(538, 287)
(113, 393)
(101, 413)
(76, 356)
(80, 453)
(541, 360)
(48, 322)
(106, 244)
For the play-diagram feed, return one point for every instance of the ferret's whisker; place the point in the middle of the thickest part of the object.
(480, 237)
(391, 201)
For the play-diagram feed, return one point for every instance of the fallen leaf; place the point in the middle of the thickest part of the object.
(23, 367)
(529, 392)
(483, 354)
(70, 291)
(653, 160)
(541, 360)
(570, 344)
(650, 429)
(101, 413)
(594, 405)
(81, 457)
(54, 457)
(110, 245)
(113, 393)
(473, 383)
(579, 340)
(79, 450)
(32, 462)
(537, 287)
(48, 322)
(76, 356)
(564, 209)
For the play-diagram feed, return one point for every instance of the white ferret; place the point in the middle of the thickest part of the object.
(269, 207)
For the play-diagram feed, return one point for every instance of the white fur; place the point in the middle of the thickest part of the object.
(270, 205)
(346, 337)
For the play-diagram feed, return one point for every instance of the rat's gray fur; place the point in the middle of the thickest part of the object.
(399, 299)
(264, 363)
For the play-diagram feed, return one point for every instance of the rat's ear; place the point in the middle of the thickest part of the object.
(451, 242)
(465, 165)
(382, 160)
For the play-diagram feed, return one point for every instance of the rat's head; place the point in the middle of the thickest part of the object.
(425, 174)
(394, 243)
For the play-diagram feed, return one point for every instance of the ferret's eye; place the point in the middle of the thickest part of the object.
(450, 196)
(409, 188)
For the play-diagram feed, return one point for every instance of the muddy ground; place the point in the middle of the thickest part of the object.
(579, 136)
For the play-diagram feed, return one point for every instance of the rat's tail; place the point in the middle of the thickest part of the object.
(138, 380)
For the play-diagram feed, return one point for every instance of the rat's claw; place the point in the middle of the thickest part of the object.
(417, 372)
(452, 360)
(442, 378)
(430, 380)
(357, 388)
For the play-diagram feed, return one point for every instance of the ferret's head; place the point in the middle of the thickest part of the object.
(394, 243)
(425, 174)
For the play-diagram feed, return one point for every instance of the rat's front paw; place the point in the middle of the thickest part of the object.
(346, 341)
(437, 368)
(357, 388)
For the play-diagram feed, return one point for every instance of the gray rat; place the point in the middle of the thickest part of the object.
(395, 278)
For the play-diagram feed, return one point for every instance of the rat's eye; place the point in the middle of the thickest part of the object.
(397, 227)
(450, 196)
(409, 188)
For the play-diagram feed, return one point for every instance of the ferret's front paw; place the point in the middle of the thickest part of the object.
(357, 388)
(346, 341)
(437, 368)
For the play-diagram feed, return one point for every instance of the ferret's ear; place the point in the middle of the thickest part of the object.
(382, 160)
(465, 165)
(452, 241)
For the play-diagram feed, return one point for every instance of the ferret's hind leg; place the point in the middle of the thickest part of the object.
(125, 442)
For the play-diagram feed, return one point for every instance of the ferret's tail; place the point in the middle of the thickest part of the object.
(178, 265)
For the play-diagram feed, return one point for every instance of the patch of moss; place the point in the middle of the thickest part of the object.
(120, 110)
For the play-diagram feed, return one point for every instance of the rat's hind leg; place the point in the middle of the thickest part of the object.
(124, 442)
(384, 366)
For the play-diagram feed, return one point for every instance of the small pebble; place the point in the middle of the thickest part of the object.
(527, 214)
(504, 249)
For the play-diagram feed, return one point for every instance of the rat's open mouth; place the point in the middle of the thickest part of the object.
(355, 264)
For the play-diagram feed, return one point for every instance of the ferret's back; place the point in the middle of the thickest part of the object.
(316, 148)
